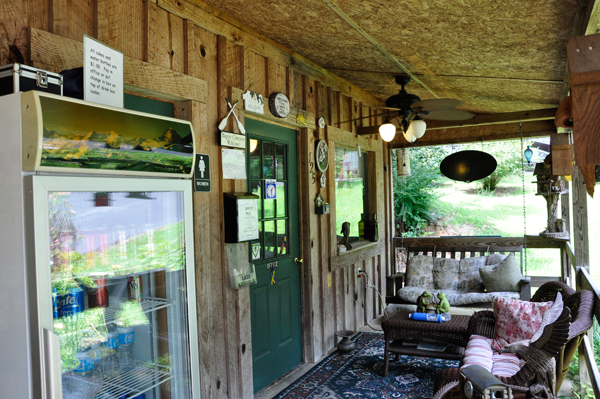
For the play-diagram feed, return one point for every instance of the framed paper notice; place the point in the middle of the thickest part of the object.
(102, 73)
(247, 210)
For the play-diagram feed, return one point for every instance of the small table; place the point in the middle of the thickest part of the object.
(399, 327)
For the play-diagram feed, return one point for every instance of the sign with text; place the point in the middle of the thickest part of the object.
(247, 210)
(102, 73)
(202, 173)
(233, 140)
(270, 189)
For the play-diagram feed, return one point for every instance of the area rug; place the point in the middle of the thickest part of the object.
(359, 374)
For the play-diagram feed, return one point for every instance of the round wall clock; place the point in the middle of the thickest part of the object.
(279, 105)
(322, 155)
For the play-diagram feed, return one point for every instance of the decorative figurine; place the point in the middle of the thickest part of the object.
(444, 305)
(346, 233)
(423, 301)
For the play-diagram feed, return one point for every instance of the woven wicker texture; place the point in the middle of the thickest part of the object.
(580, 303)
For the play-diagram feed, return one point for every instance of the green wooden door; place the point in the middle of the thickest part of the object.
(275, 299)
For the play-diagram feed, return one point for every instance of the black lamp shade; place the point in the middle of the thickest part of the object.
(468, 166)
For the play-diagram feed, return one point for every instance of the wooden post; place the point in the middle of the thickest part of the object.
(580, 220)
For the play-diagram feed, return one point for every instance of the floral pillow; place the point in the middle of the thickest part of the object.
(516, 320)
(419, 272)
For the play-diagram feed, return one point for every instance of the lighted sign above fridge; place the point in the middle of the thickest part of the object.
(66, 135)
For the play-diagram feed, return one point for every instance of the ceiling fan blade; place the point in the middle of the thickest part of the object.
(436, 104)
(448, 115)
(377, 107)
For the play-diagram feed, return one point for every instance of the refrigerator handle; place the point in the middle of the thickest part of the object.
(52, 367)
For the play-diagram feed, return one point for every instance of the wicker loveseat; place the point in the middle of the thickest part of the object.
(483, 323)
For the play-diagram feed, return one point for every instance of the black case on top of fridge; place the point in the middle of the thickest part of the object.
(18, 77)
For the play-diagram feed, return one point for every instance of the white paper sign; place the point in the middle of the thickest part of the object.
(253, 102)
(247, 219)
(102, 73)
(234, 163)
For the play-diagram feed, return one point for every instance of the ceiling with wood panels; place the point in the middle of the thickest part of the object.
(497, 56)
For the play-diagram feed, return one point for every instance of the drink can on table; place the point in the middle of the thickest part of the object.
(98, 295)
(134, 288)
(72, 302)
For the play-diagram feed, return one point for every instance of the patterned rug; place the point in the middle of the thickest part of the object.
(359, 374)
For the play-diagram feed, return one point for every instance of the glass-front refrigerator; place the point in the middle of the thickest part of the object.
(113, 260)
(97, 290)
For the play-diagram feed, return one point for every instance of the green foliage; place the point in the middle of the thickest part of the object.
(509, 157)
(415, 199)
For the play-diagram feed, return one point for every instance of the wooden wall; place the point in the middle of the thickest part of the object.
(182, 53)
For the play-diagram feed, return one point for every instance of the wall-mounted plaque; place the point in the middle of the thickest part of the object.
(279, 105)
(322, 155)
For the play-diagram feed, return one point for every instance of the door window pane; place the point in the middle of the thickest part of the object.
(270, 240)
(282, 234)
(256, 189)
(279, 161)
(255, 172)
(281, 199)
(268, 161)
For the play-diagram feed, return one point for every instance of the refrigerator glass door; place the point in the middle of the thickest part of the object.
(119, 267)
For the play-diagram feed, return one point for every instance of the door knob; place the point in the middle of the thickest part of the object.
(298, 260)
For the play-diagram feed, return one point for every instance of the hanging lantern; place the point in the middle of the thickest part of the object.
(528, 154)
(403, 162)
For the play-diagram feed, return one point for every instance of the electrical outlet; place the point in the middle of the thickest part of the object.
(329, 281)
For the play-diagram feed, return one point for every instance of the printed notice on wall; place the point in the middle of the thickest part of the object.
(247, 219)
(102, 73)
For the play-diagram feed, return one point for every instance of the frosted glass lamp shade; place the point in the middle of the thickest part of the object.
(403, 162)
(418, 126)
(387, 131)
(409, 136)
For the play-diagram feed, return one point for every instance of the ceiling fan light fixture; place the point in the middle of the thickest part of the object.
(417, 127)
(409, 136)
(387, 131)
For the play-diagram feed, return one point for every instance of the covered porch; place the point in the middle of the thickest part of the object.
(336, 62)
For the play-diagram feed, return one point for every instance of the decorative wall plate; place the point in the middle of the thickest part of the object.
(321, 122)
(279, 105)
(322, 155)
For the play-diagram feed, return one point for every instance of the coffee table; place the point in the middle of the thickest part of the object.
(399, 327)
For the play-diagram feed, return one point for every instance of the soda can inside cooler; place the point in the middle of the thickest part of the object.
(134, 288)
(72, 302)
(98, 294)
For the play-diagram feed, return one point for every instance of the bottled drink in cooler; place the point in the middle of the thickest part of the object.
(126, 355)
(96, 355)
(85, 368)
(110, 357)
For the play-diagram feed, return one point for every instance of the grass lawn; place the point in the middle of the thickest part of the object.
(464, 210)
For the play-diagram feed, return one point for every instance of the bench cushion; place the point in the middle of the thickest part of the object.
(445, 273)
(419, 273)
(456, 298)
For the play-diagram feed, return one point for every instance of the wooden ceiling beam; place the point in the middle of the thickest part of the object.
(471, 134)
(479, 120)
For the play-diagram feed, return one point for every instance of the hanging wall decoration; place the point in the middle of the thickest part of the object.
(322, 155)
(321, 122)
(279, 105)
(253, 102)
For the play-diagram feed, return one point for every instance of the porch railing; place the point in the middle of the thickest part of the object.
(571, 274)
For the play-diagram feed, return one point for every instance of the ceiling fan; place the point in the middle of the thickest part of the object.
(412, 111)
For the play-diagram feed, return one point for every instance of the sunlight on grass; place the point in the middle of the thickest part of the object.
(466, 209)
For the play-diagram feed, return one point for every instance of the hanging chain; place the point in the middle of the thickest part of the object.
(524, 206)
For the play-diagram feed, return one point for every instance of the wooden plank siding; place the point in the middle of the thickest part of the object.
(172, 55)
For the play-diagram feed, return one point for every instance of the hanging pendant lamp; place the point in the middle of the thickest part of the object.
(403, 162)
(468, 165)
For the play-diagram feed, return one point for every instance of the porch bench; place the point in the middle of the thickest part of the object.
(455, 271)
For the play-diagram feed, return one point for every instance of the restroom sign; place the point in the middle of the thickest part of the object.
(202, 173)
(270, 189)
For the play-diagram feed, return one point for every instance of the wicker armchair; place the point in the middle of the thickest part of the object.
(483, 323)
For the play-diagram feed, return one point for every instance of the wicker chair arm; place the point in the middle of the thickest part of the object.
(482, 323)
